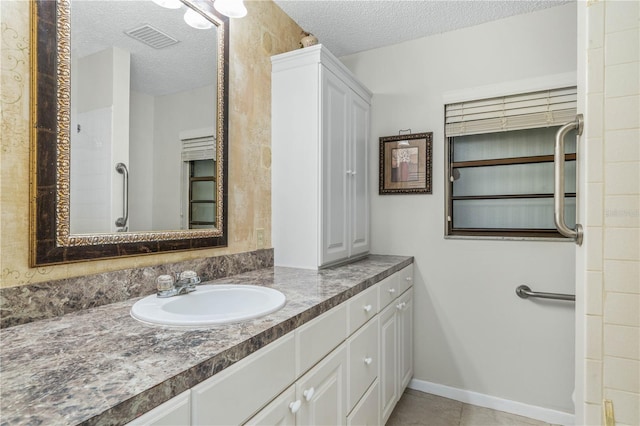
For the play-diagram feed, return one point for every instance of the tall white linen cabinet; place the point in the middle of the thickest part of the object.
(320, 118)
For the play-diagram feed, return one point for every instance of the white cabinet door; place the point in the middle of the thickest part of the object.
(404, 306)
(396, 339)
(320, 129)
(176, 411)
(323, 391)
(335, 168)
(359, 176)
(388, 361)
(233, 395)
(345, 183)
(280, 412)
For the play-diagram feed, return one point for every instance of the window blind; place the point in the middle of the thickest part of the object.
(199, 148)
(523, 111)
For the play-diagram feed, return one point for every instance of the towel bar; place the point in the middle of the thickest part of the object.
(121, 222)
(558, 192)
(524, 292)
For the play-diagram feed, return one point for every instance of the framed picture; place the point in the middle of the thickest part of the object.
(405, 163)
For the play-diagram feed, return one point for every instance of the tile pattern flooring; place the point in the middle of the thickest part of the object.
(419, 408)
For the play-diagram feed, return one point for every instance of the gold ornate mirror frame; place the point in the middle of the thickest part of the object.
(51, 240)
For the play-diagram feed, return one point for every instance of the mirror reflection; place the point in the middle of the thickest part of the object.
(143, 136)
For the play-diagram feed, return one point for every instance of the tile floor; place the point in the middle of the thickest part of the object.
(419, 408)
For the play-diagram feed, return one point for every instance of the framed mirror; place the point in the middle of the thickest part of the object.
(129, 128)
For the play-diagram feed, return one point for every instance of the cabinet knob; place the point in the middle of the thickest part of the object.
(391, 290)
(308, 394)
(409, 279)
(368, 360)
(367, 308)
(349, 172)
(295, 406)
(401, 306)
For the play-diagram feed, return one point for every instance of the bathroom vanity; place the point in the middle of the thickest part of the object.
(338, 352)
(347, 366)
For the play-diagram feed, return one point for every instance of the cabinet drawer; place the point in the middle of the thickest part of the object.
(236, 393)
(281, 411)
(319, 337)
(176, 411)
(405, 278)
(366, 413)
(388, 290)
(363, 361)
(362, 308)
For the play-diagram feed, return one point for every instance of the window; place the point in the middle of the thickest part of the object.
(500, 164)
(202, 194)
(199, 195)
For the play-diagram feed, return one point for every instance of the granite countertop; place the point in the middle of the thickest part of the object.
(100, 366)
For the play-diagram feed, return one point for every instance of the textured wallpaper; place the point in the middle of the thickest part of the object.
(265, 31)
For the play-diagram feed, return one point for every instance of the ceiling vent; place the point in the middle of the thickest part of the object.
(151, 36)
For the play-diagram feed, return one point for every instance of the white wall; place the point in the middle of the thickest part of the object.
(471, 331)
(100, 109)
(140, 165)
(189, 110)
(120, 130)
(155, 151)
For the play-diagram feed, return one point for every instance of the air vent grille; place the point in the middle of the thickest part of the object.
(151, 36)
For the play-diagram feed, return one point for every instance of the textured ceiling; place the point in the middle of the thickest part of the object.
(98, 24)
(344, 26)
(351, 26)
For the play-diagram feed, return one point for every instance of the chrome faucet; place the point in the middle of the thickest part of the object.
(184, 282)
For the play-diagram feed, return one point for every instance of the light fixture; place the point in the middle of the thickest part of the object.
(231, 8)
(195, 20)
(169, 4)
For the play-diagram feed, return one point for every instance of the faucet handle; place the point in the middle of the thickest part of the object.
(164, 282)
(190, 276)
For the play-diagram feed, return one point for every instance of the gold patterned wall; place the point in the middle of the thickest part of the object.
(264, 32)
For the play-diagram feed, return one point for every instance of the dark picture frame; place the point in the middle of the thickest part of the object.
(406, 164)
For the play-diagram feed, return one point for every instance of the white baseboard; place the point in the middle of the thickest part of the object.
(495, 403)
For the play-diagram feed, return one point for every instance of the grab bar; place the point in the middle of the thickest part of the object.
(122, 221)
(524, 292)
(558, 194)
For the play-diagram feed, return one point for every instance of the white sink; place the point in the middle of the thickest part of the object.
(208, 305)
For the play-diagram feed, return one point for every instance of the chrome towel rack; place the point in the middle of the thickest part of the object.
(525, 292)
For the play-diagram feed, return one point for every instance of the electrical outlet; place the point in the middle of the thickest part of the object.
(260, 238)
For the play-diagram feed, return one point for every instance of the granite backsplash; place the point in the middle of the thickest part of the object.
(23, 304)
